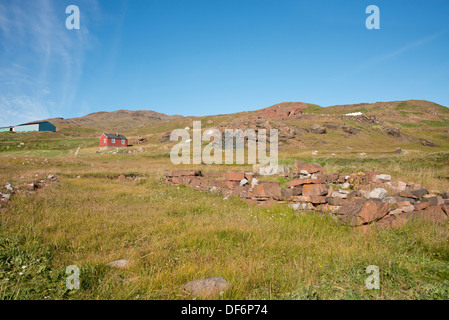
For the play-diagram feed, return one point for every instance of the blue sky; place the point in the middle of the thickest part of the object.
(201, 57)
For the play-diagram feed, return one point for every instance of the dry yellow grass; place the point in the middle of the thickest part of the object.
(172, 235)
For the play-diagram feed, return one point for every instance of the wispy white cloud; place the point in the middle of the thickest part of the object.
(13, 108)
(40, 60)
(395, 53)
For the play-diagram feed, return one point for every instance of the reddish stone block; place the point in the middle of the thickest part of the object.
(213, 174)
(235, 176)
(216, 183)
(314, 189)
(407, 195)
(357, 212)
(402, 204)
(267, 203)
(335, 201)
(232, 184)
(388, 222)
(268, 189)
(297, 191)
(301, 199)
(332, 177)
(242, 191)
(181, 180)
(194, 182)
(287, 194)
(309, 167)
(422, 205)
(434, 213)
(300, 182)
(434, 200)
(317, 199)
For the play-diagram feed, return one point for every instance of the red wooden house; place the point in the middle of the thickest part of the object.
(109, 140)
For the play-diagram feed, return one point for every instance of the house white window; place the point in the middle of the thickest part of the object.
(123, 141)
(105, 140)
(113, 140)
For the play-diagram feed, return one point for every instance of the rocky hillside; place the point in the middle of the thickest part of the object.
(381, 126)
(116, 120)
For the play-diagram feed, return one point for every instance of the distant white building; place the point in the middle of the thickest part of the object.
(354, 114)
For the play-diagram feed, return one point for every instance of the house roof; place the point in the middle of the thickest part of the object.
(30, 123)
(115, 136)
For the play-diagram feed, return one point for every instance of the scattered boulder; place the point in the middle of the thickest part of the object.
(120, 264)
(6, 196)
(345, 185)
(207, 288)
(165, 137)
(143, 140)
(397, 185)
(317, 129)
(266, 170)
(32, 186)
(393, 132)
(378, 193)
(391, 200)
(342, 194)
(383, 177)
(349, 129)
(427, 143)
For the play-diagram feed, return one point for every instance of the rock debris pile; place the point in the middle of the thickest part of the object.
(357, 199)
